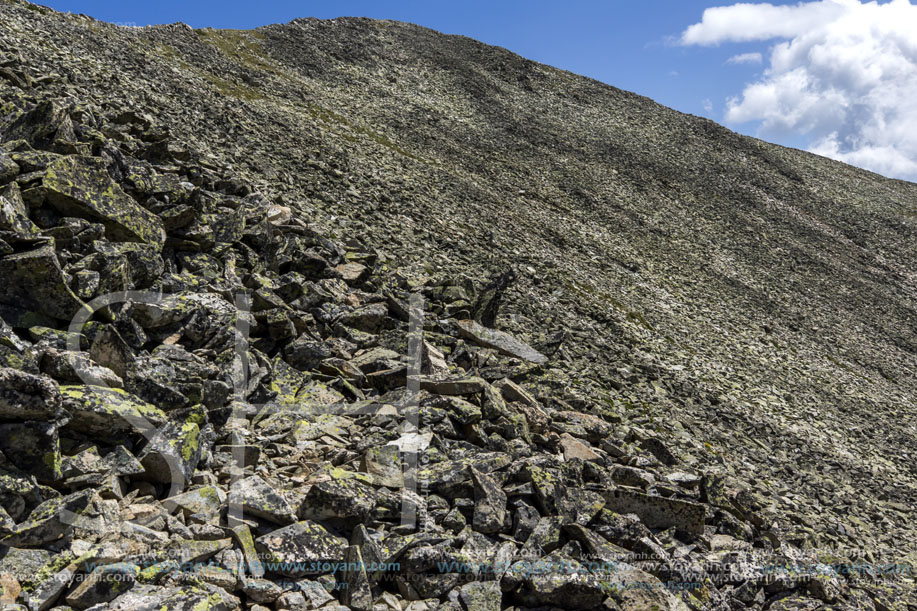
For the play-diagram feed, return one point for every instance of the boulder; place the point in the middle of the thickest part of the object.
(24, 396)
(300, 549)
(338, 499)
(33, 280)
(499, 341)
(172, 455)
(80, 186)
(34, 447)
(489, 503)
(260, 499)
(108, 412)
(49, 521)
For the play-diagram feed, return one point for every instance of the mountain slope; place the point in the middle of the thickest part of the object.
(753, 306)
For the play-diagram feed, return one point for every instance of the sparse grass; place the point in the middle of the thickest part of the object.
(242, 46)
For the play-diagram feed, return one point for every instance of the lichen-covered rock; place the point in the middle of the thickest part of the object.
(81, 186)
(33, 279)
(481, 596)
(8, 168)
(201, 597)
(13, 213)
(108, 412)
(559, 581)
(34, 447)
(144, 262)
(76, 368)
(49, 521)
(338, 499)
(24, 396)
(300, 549)
(45, 124)
(258, 498)
(206, 500)
(103, 584)
(173, 453)
(489, 503)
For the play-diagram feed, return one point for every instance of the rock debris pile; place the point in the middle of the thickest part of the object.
(208, 403)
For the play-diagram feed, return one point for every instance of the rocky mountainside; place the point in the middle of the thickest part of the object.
(352, 314)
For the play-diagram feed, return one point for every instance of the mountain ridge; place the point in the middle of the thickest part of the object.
(752, 305)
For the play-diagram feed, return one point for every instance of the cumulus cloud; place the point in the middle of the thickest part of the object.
(842, 72)
(745, 58)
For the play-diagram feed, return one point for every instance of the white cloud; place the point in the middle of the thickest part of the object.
(745, 58)
(842, 72)
(708, 106)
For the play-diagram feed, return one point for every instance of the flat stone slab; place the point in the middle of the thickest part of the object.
(657, 511)
(81, 186)
(499, 341)
(300, 549)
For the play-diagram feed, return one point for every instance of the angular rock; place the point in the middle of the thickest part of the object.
(33, 280)
(370, 318)
(14, 215)
(49, 521)
(306, 353)
(243, 537)
(657, 511)
(172, 455)
(482, 596)
(102, 585)
(8, 168)
(81, 186)
(204, 500)
(384, 464)
(558, 581)
(574, 448)
(338, 500)
(76, 367)
(300, 549)
(24, 396)
(260, 499)
(34, 447)
(357, 594)
(489, 503)
(452, 386)
(202, 597)
(108, 412)
(499, 341)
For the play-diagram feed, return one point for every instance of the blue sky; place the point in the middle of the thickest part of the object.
(646, 47)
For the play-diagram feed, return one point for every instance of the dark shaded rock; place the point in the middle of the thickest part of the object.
(370, 318)
(306, 353)
(14, 215)
(657, 511)
(49, 521)
(173, 453)
(8, 168)
(24, 396)
(34, 447)
(33, 279)
(487, 305)
(102, 585)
